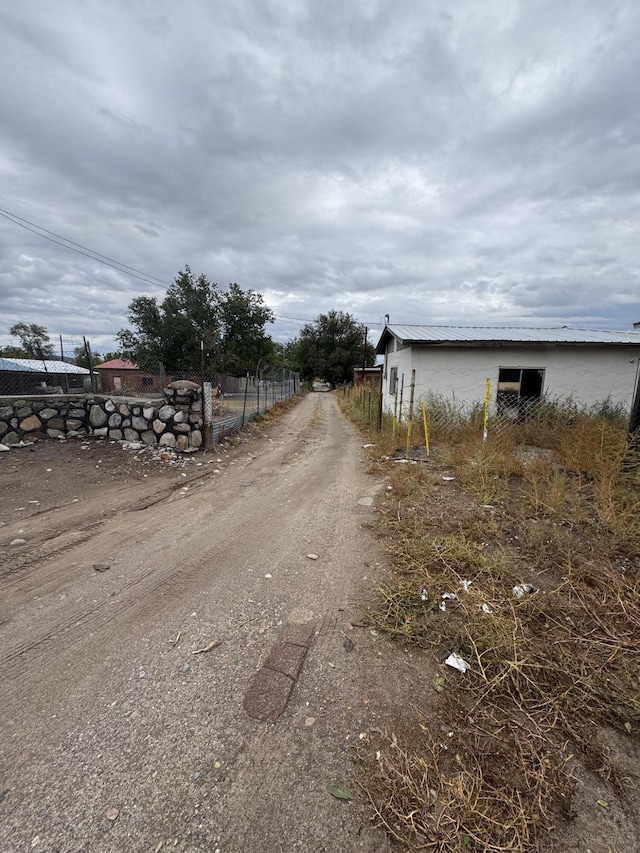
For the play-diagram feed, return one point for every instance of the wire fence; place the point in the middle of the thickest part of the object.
(433, 418)
(235, 400)
(239, 400)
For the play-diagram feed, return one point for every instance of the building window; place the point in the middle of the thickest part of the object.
(518, 387)
(393, 380)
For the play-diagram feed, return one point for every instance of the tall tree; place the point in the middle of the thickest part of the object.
(171, 331)
(230, 323)
(331, 347)
(282, 355)
(35, 340)
(244, 339)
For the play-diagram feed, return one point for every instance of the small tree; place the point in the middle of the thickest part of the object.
(13, 352)
(34, 339)
(82, 359)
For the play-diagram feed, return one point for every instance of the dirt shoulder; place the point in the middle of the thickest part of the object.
(109, 712)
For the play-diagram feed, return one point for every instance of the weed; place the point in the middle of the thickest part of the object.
(559, 511)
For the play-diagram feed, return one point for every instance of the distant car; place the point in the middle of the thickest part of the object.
(316, 385)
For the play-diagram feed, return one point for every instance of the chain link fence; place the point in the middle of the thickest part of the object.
(505, 416)
(238, 400)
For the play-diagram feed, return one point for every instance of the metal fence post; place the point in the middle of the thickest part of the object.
(410, 421)
(207, 405)
(485, 422)
(246, 391)
(426, 430)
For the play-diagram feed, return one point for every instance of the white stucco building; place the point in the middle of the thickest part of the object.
(455, 362)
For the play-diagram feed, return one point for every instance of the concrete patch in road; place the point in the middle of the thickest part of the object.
(267, 695)
(272, 684)
(296, 634)
(286, 658)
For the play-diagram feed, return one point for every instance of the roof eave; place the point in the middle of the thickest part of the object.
(381, 346)
(500, 344)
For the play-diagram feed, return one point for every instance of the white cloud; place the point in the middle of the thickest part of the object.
(468, 163)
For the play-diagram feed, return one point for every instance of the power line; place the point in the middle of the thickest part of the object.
(300, 320)
(94, 256)
(292, 319)
(93, 251)
(119, 266)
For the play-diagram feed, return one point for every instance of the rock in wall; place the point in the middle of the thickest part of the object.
(175, 421)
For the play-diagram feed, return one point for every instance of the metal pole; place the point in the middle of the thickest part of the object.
(207, 403)
(426, 430)
(246, 391)
(634, 418)
(485, 423)
(87, 349)
(410, 421)
(364, 352)
(394, 426)
(66, 377)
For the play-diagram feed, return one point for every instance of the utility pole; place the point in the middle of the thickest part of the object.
(364, 352)
(66, 378)
(87, 349)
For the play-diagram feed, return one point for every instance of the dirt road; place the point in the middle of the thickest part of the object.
(105, 706)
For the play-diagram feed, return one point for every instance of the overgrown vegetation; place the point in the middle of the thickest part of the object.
(536, 546)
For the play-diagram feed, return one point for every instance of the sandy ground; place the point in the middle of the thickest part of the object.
(105, 706)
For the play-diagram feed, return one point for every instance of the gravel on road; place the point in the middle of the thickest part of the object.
(126, 691)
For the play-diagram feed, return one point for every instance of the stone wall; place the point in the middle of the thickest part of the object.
(175, 421)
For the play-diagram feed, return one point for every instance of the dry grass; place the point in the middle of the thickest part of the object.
(278, 409)
(546, 670)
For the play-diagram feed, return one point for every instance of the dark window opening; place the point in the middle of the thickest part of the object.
(518, 387)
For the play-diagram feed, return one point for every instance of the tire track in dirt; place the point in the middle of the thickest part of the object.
(136, 592)
(46, 542)
(96, 731)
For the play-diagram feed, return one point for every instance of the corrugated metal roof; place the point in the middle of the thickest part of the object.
(508, 334)
(35, 365)
(117, 364)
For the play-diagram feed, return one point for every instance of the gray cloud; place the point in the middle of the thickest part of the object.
(474, 163)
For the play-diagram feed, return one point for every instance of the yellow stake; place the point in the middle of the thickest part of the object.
(487, 395)
(426, 429)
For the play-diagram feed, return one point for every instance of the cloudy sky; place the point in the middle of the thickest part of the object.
(461, 162)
